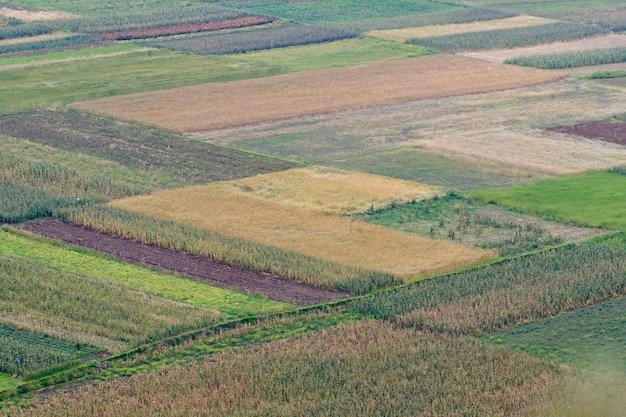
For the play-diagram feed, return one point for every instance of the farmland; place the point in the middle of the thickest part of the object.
(313, 92)
(338, 207)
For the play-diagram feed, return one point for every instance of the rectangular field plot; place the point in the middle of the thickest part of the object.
(313, 92)
(496, 133)
(403, 35)
(595, 199)
(334, 191)
(228, 209)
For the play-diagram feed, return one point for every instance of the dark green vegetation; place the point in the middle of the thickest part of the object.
(254, 40)
(19, 203)
(26, 354)
(549, 8)
(231, 250)
(185, 161)
(52, 44)
(510, 38)
(591, 337)
(572, 59)
(468, 221)
(595, 199)
(510, 293)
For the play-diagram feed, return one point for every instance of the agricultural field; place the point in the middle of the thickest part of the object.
(230, 206)
(225, 207)
(325, 91)
(595, 199)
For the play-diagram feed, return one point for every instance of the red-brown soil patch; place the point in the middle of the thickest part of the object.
(614, 132)
(188, 28)
(194, 267)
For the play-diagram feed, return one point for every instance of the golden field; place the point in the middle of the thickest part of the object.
(335, 191)
(222, 105)
(227, 208)
(403, 35)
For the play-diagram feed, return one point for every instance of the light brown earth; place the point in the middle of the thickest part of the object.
(215, 106)
(27, 39)
(587, 44)
(35, 16)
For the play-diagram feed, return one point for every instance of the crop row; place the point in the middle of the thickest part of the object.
(572, 59)
(187, 161)
(87, 309)
(25, 30)
(238, 252)
(398, 372)
(510, 38)
(254, 40)
(513, 292)
(28, 354)
(74, 40)
(19, 203)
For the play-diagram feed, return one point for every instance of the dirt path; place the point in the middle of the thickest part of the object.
(193, 267)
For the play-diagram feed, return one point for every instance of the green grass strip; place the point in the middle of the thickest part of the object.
(79, 53)
(595, 199)
(7, 382)
(142, 279)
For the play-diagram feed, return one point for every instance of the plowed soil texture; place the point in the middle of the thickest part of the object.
(605, 130)
(188, 28)
(193, 267)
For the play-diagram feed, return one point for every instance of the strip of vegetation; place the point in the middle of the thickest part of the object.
(50, 44)
(28, 355)
(406, 373)
(19, 203)
(604, 74)
(469, 221)
(87, 309)
(595, 199)
(231, 250)
(144, 280)
(510, 38)
(255, 40)
(74, 53)
(170, 155)
(507, 294)
(572, 59)
(24, 30)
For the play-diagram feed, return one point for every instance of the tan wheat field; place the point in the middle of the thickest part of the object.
(35, 16)
(227, 208)
(221, 105)
(403, 35)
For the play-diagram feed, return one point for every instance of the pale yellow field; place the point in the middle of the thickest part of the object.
(403, 35)
(35, 16)
(26, 39)
(587, 44)
(334, 191)
(222, 105)
(227, 209)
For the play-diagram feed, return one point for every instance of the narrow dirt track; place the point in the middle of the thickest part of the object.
(194, 267)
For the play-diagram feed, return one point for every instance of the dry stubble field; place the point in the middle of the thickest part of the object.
(244, 211)
(215, 106)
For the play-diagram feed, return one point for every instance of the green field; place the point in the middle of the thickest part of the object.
(67, 82)
(117, 48)
(596, 199)
(591, 337)
(7, 382)
(547, 8)
(131, 276)
(91, 7)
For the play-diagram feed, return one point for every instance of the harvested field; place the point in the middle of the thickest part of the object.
(500, 132)
(403, 35)
(214, 106)
(335, 191)
(193, 267)
(587, 44)
(188, 28)
(35, 16)
(588, 70)
(605, 130)
(228, 209)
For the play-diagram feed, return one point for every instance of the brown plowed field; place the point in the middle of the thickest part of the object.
(193, 267)
(603, 130)
(222, 105)
(188, 28)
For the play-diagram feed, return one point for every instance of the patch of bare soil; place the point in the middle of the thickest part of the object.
(193, 267)
(34, 16)
(614, 132)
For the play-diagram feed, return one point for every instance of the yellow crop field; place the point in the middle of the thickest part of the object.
(403, 35)
(228, 209)
(334, 191)
(222, 105)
